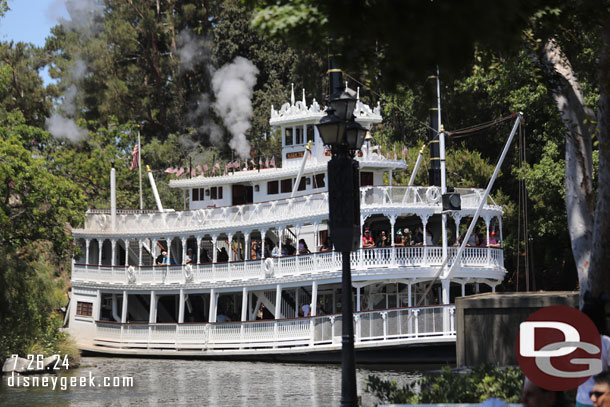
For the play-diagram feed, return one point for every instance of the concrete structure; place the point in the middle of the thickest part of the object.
(487, 324)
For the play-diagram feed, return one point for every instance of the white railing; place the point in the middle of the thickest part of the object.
(363, 260)
(399, 324)
(272, 212)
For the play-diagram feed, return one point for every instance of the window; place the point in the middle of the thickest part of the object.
(216, 193)
(319, 181)
(195, 194)
(84, 308)
(310, 133)
(302, 184)
(272, 187)
(366, 178)
(288, 132)
(286, 185)
(299, 135)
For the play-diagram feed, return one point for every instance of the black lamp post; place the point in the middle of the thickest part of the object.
(344, 136)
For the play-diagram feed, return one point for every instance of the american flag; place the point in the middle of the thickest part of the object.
(135, 161)
(205, 168)
(404, 152)
(198, 168)
(272, 163)
(180, 172)
(170, 170)
(266, 162)
(260, 162)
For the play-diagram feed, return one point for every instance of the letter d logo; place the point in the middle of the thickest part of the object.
(558, 348)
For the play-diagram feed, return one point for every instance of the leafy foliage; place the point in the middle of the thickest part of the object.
(475, 386)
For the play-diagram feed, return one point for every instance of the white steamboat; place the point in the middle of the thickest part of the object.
(210, 298)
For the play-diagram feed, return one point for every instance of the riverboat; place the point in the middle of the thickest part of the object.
(249, 272)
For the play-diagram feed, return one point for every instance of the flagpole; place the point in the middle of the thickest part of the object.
(140, 168)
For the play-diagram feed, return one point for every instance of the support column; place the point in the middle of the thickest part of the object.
(457, 219)
(278, 301)
(212, 316)
(392, 241)
(87, 242)
(100, 246)
(500, 227)
(124, 308)
(181, 307)
(263, 236)
(314, 298)
(488, 250)
(140, 253)
(152, 316)
(463, 289)
(280, 236)
(357, 299)
(244, 304)
(247, 246)
(296, 300)
(168, 240)
(198, 250)
(214, 248)
(316, 236)
(410, 302)
(153, 250)
(113, 245)
(126, 243)
(98, 303)
(183, 241)
(424, 220)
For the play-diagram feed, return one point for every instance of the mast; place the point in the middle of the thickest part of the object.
(140, 168)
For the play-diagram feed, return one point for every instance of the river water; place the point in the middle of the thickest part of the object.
(161, 382)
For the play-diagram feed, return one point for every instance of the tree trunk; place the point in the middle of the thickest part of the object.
(599, 280)
(579, 169)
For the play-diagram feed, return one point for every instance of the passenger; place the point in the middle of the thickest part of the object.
(473, 240)
(253, 250)
(493, 240)
(600, 395)
(327, 246)
(418, 237)
(406, 236)
(290, 249)
(161, 259)
(534, 396)
(189, 256)
(482, 239)
(383, 240)
(268, 247)
(222, 318)
(276, 250)
(236, 248)
(367, 239)
(398, 241)
(222, 256)
(305, 308)
(260, 314)
(204, 257)
(303, 249)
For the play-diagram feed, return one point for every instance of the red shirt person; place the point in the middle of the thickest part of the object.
(367, 239)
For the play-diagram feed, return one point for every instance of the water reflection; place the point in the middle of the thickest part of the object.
(159, 382)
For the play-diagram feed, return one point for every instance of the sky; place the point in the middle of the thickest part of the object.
(31, 21)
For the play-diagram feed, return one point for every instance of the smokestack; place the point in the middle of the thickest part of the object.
(113, 197)
(434, 173)
(154, 189)
(335, 76)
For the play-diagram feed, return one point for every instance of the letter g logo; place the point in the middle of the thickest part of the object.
(558, 348)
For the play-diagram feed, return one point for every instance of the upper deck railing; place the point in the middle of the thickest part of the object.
(373, 261)
(373, 198)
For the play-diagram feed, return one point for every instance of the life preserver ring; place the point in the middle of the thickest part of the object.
(188, 273)
(131, 274)
(433, 194)
(269, 267)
